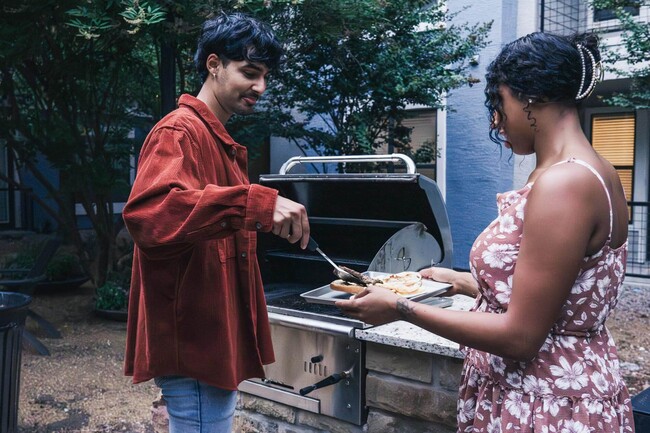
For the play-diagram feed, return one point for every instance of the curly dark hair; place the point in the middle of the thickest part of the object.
(237, 37)
(540, 67)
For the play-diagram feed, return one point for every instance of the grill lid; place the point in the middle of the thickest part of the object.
(355, 215)
(385, 222)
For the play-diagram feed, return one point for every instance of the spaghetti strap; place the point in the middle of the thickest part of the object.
(602, 182)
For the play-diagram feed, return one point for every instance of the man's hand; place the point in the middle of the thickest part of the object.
(290, 221)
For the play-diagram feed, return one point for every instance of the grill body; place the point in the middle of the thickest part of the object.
(380, 222)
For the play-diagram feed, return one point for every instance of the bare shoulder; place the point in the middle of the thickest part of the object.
(569, 194)
(572, 195)
(566, 180)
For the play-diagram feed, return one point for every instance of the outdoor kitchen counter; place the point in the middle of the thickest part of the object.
(408, 336)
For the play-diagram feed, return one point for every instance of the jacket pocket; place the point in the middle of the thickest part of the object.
(226, 248)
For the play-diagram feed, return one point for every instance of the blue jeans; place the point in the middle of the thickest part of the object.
(195, 407)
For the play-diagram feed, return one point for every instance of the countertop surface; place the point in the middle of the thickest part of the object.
(407, 335)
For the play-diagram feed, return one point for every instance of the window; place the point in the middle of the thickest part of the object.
(609, 14)
(4, 187)
(612, 135)
(423, 140)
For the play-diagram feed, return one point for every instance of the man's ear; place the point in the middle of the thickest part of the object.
(213, 63)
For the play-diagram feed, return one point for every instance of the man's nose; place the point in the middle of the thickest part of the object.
(259, 86)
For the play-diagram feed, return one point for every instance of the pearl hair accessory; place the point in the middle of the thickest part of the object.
(594, 79)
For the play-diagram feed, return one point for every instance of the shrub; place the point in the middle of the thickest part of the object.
(111, 296)
(63, 266)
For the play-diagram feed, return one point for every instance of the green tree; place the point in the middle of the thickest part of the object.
(633, 51)
(352, 67)
(76, 79)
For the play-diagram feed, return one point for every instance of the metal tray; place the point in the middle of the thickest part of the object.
(325, 295)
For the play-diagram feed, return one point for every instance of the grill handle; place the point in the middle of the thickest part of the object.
(393, 157)
(329, 380)
(305, 323)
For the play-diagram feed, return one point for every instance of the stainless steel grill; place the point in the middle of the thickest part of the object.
(388, 222)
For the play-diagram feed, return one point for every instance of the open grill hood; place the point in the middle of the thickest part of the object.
(352, 216)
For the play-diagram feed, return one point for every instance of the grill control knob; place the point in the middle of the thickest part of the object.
(316, 359)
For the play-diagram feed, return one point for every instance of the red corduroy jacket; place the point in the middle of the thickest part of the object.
(196, 304)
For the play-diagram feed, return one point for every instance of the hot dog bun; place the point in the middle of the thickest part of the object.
(345, 286)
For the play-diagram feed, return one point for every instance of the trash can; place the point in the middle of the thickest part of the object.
(13, 310)
(641, 410)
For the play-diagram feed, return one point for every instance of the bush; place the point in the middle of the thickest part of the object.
(111, 296)
(20, 260)
(63, 266)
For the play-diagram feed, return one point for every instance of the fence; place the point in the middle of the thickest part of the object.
(638, 258)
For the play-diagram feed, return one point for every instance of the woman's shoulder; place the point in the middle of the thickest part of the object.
(564, 178)
(592, 176)
(564, 189)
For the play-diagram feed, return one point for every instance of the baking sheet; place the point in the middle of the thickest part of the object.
(325, 295)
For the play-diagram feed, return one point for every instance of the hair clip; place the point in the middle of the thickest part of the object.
(594, 78)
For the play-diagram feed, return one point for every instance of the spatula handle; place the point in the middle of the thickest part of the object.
(312, 245)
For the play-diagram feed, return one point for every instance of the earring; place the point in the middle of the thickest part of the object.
(530, 101)
(214, 75)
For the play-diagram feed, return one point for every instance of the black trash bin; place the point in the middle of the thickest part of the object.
(641, 409)
(13, 310)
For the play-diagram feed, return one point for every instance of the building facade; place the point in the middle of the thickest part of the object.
(476, 169)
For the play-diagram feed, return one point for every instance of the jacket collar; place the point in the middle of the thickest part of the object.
(202, 110)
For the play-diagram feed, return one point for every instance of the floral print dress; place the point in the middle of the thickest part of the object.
(574, 384)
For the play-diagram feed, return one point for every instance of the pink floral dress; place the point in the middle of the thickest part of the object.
(574, 384)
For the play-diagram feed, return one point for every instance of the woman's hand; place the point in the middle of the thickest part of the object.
(462, 283)
(375, 305)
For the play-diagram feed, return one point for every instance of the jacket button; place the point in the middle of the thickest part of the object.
(224, 224)
(233, 151)
(258, 226)
(244, 255)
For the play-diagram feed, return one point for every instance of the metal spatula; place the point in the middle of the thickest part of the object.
(338, 271)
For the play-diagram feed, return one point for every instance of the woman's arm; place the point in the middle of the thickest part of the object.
(462, 283)
(561, 216)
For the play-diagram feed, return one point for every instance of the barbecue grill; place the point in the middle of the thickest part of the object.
(379, 222)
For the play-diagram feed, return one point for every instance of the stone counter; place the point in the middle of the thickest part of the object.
(408, 336)
(411, 386)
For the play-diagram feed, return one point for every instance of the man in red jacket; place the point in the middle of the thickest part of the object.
(198, 323)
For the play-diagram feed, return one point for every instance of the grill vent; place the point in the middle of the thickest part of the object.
(317, 369)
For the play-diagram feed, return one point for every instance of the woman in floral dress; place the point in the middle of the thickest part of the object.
(546, 272)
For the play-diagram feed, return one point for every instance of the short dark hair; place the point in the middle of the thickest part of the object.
(542, 67)
(237, 37)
